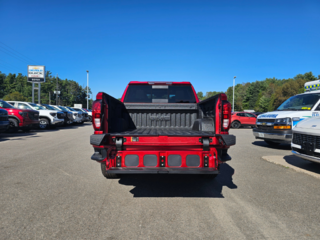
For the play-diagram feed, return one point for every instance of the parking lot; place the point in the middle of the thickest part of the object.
(51, 189)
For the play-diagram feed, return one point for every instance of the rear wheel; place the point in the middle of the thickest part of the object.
(105, 173)
(13, 125)
(43, 123)
(271, 143)
(235, 124)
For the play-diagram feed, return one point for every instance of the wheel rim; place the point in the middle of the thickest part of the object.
(12, 125)
(43, 124)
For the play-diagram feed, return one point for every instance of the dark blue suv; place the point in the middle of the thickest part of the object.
(4, 121)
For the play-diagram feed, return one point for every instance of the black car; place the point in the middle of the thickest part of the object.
(4, 121)
(67, 114)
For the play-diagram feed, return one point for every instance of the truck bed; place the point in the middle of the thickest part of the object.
(181, 132)
(159, 119)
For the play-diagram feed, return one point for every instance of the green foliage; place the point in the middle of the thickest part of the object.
(208, 94)
(16, 87)
(266, 95)
(200, 95)
(15, 96)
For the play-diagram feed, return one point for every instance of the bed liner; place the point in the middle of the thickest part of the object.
(181, 132)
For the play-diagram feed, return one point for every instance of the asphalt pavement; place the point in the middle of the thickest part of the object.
(51, 189)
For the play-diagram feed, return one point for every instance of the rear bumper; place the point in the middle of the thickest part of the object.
(285, 136)
(162, 170)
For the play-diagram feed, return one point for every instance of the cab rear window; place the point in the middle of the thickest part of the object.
(160, 94)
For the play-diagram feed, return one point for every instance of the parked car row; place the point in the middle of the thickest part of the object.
(15, 115)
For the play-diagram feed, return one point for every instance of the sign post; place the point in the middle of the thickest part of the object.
(36, 74)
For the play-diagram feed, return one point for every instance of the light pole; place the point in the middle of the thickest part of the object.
(234, 79)
(87, 89)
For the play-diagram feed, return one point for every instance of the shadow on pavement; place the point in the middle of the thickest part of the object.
(301, 163)
(180, 185)
(282, 146)
(16, 136)
(33, 133)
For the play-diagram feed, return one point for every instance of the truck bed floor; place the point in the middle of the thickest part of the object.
(181, 132)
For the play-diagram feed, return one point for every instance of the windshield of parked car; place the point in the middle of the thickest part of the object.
(70, 108)
(4, 104)
(62, 108)
(303, 102)
(57, 108)
(78, 109)
(160, 94)
(48, 107)
(36, 107)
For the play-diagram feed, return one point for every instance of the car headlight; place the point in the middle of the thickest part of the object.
(53, 114)
(282, 121)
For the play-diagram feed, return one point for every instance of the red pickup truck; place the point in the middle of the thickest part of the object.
(160, 127)
(20, 118)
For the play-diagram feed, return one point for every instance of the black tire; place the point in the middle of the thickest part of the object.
(81, 122)
(13, 125)
(106, 174)
(27, 129)
(43, 123)
(90, 119)
(236, 124)
(273, 144)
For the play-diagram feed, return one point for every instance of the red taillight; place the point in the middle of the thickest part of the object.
(96, 114)
(99, 96)
(226, 112)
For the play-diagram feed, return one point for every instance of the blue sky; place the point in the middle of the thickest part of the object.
(204, 42)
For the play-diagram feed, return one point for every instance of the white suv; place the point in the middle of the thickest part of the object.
(46, 117)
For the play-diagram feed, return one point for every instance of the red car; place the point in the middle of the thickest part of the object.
(239, 119)
(20, 118)
(161, 128)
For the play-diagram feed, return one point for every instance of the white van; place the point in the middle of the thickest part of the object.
(276, 127)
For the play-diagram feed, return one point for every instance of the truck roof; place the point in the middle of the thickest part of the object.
(162, 82)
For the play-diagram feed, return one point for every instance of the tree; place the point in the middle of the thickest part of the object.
(15, 96)
(70, 91)
(200, 95)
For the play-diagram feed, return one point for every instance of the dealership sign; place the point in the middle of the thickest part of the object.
(36, 74)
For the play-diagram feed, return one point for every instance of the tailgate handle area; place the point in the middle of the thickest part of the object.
(206, 143)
